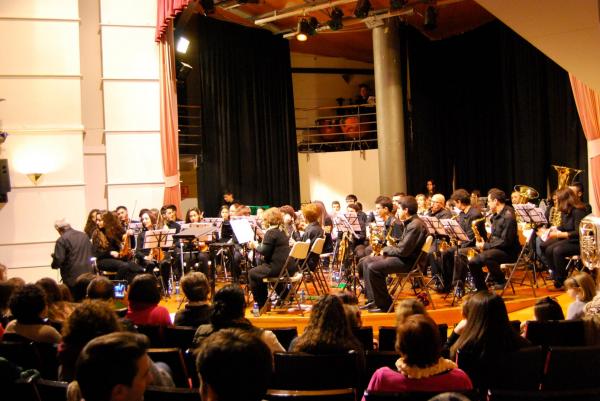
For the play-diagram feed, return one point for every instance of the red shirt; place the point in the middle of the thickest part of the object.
(155, 315)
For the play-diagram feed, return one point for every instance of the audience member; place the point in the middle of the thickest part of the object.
(6, 290)
(28, 306)
(228, 310)
(409, 307)
(3, 272)
(144, 296)
(351, 309)
(238, 355)
(547, 309)
(58, 310)
(65, 293)
(421, 366)
(197, 310)
(102, 289)
(582, 289)
(79, 289)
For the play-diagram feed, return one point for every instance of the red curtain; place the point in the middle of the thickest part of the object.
(588, 107)
(169, 138)
(167, 10)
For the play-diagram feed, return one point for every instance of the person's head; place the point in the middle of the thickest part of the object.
(438, 202)
(259, 213)
(289, 214)
(28, 304)
(170, 212)
(328, 319)
(193, 215)
(335, 206)
(114, 367)
(6, 290)
(462, 198)
(577, 188)
(225, 213)
(51, 288)
(351, 199)
(79, 290)
(347, 298)
(101, 288)
(418, 341)
(89, 320)
(62, 225)
(311, 212)
(229, 305)
(567, 200)
(195, 286)
(18, 282)
(237, 354)
(109, 223)
(421, 201)
(364, 90)
(228, 196)
(581, 287)
(396, 198)
(149, 219)
(409, 307)
(235, 209)
(122, 213)
(515, 198)
(65, 293)
(90, 223)
(407, 207)
(496, 199)
(352, 208)
(383, 206)
(144, 290)
(546, 309)
(430, 186)
(475, 194)
(272, 217)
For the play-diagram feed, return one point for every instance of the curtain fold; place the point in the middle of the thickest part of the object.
(588, 106)
(166, 11)
(169, 138)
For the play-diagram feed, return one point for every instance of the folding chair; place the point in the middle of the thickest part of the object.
(317, 277)
(523, 263)
(415, 274)
(298, 252)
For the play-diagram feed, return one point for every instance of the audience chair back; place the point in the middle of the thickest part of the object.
(387, 336)
(174, 358)
(51, 390)
(572, 368)
(411, 396)
(154, 393)
(181, 337)
(31, 355)
(563, 333)
(560, 395)
(342, 394)
(379, 359)
(365, 336)
(155, 334)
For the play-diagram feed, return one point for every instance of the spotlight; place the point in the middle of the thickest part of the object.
(362, 9)
(430, 20)
(208, 6)
(336, 19)
(182, 45)
(306, 28)
(397, 4)
(183, 70)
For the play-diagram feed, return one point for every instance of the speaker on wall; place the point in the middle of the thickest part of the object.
(4, 181)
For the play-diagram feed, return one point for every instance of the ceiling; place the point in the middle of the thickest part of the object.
(353, 41)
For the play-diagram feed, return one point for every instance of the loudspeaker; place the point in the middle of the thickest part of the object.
(4, 180)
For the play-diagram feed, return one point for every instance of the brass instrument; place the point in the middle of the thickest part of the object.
(375, 240)
(589, 243)
(472, 252)
(341, 253)
(526, 193)
(565, 176)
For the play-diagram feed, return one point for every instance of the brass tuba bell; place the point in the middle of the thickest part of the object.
(526, 193)
(566, 175)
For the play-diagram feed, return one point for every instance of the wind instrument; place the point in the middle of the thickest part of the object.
(565, 176)
(472, 252)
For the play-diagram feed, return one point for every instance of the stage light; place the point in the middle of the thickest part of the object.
(183, 70)
(430, 20)
(208, 6)
(362, 9)
(336, 19)
(397, 4)
(306, 28)
(182, 45)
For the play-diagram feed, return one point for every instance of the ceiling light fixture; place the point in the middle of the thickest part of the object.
(306, 28)
(362, 9)
(336, 19)
(182, 45)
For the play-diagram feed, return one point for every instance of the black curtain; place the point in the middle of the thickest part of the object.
(492, 107)
(249, 134)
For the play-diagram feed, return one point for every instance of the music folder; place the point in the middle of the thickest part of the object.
(162, 238)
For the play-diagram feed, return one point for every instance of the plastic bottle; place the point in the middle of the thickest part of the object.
(302, 296)
(255, 310)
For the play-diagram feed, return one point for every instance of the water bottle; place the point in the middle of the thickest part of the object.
(177, 288)
(302, 296)
(255, 310)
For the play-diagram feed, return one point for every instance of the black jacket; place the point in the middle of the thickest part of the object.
(275, 249)
(504, 232)
(72, 254)
(411, 241)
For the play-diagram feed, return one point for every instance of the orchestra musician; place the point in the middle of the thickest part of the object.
(503, 245)
(90, 223)
(289, 222)
(106, 244)
(144, 257)
(274, 250)
(396, 258)
(312, 231)
(421, 204)
(226, 235)
(198, 256)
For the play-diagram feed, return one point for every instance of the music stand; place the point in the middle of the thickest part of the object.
(348, 224)
(162, 238)
(456, 234)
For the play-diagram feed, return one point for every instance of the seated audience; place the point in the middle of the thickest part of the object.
(144, 296)
(547, 309)
(197, 310)
(238, 355)
(58, 310)
(28, 307)
(79, 289)
(228, 310)
(582, 289)
(65, 293)
(351, 309)
(102, 289)
(421, 366)
(409, 307)
(6, 290)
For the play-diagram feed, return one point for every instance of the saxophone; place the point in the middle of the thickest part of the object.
(472, 252)
(375, 240)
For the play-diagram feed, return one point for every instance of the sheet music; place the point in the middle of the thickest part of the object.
(242, 230)
(162, 238)
(531, 214)
(215, 221)
(434, 225)
(454, 230)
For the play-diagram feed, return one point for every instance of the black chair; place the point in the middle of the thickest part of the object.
(342, 394)
(171, 394)
(179, 336)
(31, 355)
(299, 371)
(285, 335)
(190, 363)
(411, 396)
(51, 390)
(379, 359)
(365, 336)
(387, 336)
(565, 395)
(174, 358)
(572, 368)
(154, 333)
(561, 333)
(516, 325)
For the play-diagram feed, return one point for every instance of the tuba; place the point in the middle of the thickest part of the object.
(589, 243)
(526, 193)
(566, 175)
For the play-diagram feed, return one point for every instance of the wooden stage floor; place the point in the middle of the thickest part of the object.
(519, 305)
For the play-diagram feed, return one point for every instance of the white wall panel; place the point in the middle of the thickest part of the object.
(58, 156)
(133, 158)
(31, 212)
(64, 9)
(140, 196)
(36, 52)
(28, 255)
(129, 52)
(31, 275)
(40, 103)
(128, 12)
(131, 106)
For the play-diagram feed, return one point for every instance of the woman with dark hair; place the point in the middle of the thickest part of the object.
(289, 222)
(328, 330)
(421, 366)
(144, 296)
(28, 307)
(143, 257)
(90, 223)
(229, 305)
(563, 241)
(106, 243)
(58, 310)
(193, 215)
